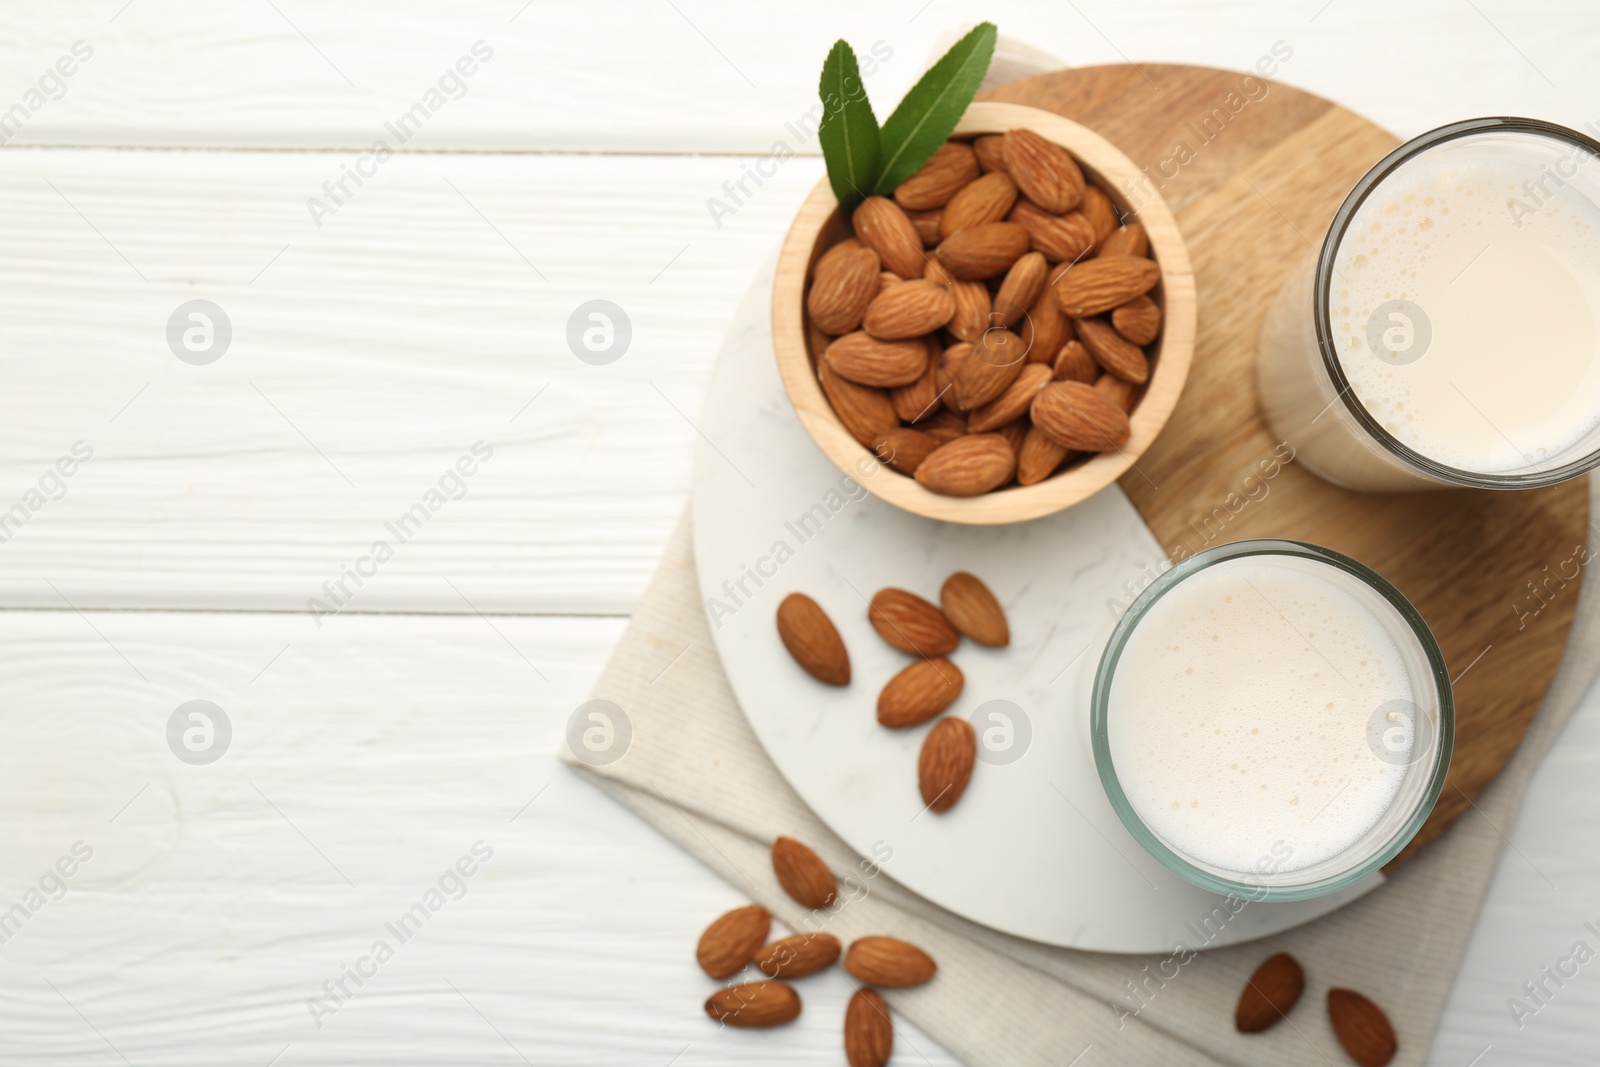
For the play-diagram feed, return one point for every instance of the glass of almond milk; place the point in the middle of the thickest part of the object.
(1447, 332)
(1272, 720)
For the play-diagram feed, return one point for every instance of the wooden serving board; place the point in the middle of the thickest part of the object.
(1254, 171)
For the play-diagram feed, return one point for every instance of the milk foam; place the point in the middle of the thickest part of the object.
(1239, 712)
(1508, 276)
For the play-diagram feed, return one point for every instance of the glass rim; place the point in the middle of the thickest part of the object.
(1148, 839)
(1322, 287)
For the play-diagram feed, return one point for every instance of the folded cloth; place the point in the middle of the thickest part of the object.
(694, 769)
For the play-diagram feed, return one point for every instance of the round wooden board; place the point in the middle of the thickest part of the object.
(1254, 178)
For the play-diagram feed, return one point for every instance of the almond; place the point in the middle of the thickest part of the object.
(1022, 285)
(799, 955)
(1038, 457)
(888, 962)
(910, 309)
(944, 767)
(911, 624)
(868, 1030)
(919, 692)
(883, 227)
(1111, 350)
(1012, 404)
(926, 223)
(1059, 237)
(1044, 329)
(968, 466)
(844, 247)
(802, 874)
(1269, 994)
(973, 610)
(813, 640)
(988, 369)
(1129, 240)
(1100, 212)
(983, 201)
(991, 152)
(1359, 1024)
(1139, 320)
(945, 426)
(920, 399)
(951, 167)
(887, 280)
(1043, 171)
(1075, 364)
(1098, 285)
(980, 252)
(1077, 416)
(1014, 432)
(904, 449)
(732, 940)
(1116, 390)
(866, 360)
(864, 411)
(843, 288)
(971, 316)
(754, 1005)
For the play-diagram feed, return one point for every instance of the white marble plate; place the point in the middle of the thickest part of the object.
(1033, 848)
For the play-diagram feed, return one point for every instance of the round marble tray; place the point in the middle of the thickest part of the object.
(1033, 849)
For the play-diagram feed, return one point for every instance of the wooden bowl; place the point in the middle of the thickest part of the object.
(819, 225)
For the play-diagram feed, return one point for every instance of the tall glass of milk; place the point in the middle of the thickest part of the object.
(1272, 720)
(1447, 332)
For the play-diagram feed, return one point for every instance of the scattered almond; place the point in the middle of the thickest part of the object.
(1043, 171)
(950, 168)
(868, 1030)
(866, 360)
(968, 466)
(802, 874)
(1269, 994)
(754, 1005)
(1098, 285)
(1012, 404)
(944, 767)
(904, 449)
(1139, 320)
(909, 309)
(888, 962)
(911, 623)
(1078, 417)
(799, 955)
(981, 252)
(883, 227)
(973, 609)
(1111, 350)
(813, 640)
(732, 940)
(1359, 1024)
(986, 200)
(844, 286)
(919, 692)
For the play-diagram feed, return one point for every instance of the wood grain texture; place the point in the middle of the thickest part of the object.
(818, 225)
(1251, 202)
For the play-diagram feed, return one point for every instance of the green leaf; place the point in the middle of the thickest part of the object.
(848, 131)
(929, 113)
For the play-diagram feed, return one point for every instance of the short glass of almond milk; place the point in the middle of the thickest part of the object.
(1272, 720)
(1447, 331)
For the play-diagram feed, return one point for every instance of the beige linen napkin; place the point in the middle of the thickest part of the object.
(694, 769)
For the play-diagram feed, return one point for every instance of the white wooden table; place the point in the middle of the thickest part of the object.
(428, 311)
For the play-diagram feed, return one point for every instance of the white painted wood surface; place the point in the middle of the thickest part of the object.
(369, 355)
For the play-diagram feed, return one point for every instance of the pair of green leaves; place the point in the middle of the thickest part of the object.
(865, 161)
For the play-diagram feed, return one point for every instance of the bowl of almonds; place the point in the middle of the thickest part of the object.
(1003, 330)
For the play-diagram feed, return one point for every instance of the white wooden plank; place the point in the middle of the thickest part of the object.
(714, 75)
(364, 762)
(368, 355)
